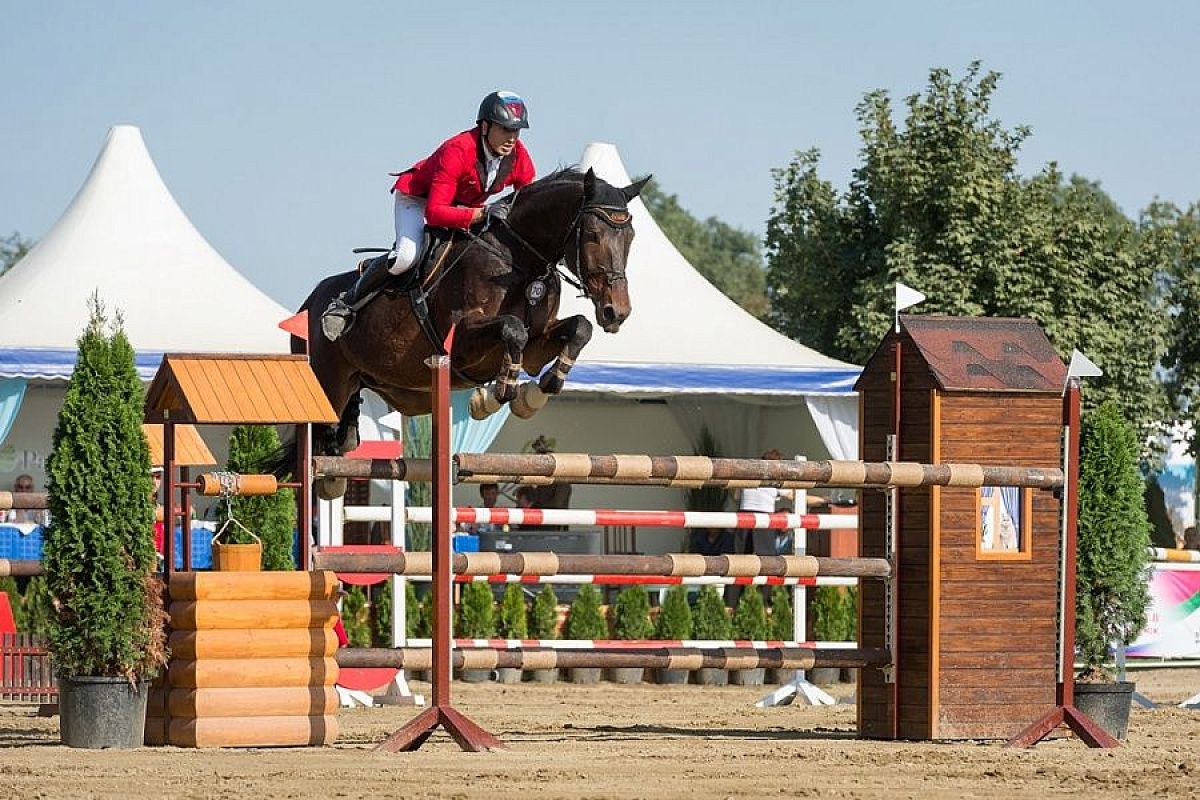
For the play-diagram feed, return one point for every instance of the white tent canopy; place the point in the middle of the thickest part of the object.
(125, 238)
(684, 335)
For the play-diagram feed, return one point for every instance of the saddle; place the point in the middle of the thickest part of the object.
(415, 282)
(435, 244)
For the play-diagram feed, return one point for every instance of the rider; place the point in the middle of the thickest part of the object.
(446, 190)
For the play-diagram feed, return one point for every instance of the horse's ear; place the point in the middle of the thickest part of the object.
(634, 189)
(589, 183)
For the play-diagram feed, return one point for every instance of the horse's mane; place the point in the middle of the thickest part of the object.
(563, 175)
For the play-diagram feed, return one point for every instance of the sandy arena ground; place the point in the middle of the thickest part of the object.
(611, 741)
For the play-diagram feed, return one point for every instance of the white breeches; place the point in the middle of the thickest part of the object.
(410, 230)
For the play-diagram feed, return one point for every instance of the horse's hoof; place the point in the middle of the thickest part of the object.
(505, 392)
(330, 488)
(483, 403)
(529, 400)
(551, 383)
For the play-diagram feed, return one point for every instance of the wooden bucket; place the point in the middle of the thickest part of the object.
(236, 557)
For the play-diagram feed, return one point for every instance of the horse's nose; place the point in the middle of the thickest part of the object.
(611, 317)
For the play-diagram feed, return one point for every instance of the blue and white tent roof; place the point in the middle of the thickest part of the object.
(684, 335)
(125, 238)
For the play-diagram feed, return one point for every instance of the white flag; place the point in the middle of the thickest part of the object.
(1082, 367)
(906, 296)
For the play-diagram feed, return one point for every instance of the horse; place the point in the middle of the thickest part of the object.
(500, 288)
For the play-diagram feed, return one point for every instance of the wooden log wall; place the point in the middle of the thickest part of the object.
(252, 662)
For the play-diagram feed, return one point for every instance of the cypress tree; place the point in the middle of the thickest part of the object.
(356, 617)
(1114, 534)
(543, 617)
(476, 612)
(99, 548)
(271, 517)
(584, 620)
(631, 614)
(513, 614)
(381, 613)
(783, 623)
(413, 610)
(674, 617)
(750, 616)
(709, 618)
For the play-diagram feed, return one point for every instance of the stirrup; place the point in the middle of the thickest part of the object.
(337, 319)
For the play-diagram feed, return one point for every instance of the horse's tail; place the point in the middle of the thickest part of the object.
(283, 462)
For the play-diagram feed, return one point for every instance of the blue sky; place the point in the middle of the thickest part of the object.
(275, 123)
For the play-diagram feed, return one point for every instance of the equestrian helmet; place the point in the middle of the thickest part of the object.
(505, 109)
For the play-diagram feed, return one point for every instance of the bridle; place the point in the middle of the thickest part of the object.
(616, 217)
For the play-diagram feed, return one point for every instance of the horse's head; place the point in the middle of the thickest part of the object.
(598, 247)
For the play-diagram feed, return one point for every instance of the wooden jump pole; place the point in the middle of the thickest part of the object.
(687, 471)
(24, 501)
(551, 564)
(689, 658)
(640, 469)
(440, 712)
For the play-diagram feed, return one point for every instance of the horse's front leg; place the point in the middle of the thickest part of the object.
(564, 338)
(476, 335)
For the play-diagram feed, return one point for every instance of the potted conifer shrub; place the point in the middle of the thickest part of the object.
(264, 537)
(543, 624)
(476, 620)
(782, 624)
(829, 624)
(585, 621)
(106, 635)
(674, 622)
(711, 622)
(631, 620)
(749, 622)
(513, 625)
(1111, 562)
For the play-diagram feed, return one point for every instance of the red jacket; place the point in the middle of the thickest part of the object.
(451, 180)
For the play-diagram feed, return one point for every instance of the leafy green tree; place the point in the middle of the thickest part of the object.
(12, 249)
(710, 619)
(750, 616)
(99, 547)
(631, 614)
(514, 616)
(584, 620)
(730, 258)
(938, 204)
(37, 608)
(1176, 234)
(543, 616)
(674, 619)
(271, 517)
(782, 621)
(1114, 534)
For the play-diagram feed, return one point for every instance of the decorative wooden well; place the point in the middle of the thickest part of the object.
(252, 661)
(976, 627)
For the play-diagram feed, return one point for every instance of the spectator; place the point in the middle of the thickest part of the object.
(525, 497)
(554, 495)
(489, 493)
(762, 500)
(1191, 538)
(23, 484)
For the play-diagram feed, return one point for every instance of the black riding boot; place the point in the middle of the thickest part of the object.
(339, 317)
